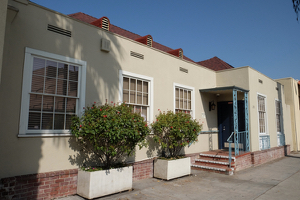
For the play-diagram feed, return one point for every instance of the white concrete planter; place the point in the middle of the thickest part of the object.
(100, 183)
(169, 169)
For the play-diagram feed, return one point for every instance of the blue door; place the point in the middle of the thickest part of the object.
(225, 120)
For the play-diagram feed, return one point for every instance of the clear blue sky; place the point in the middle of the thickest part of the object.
(262, 34)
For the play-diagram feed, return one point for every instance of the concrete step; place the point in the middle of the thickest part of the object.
(213, 168)
(213, 161)
(217, 156)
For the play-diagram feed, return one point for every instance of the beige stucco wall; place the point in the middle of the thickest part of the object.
(248, 79)
(292, 99)
(268, 89)
(233, 77)
(29, 29)
(3, 11)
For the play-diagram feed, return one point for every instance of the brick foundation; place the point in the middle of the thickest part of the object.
(55, 184)
(243, 162)
(40, 186)
(50, 185)
(264, 156)
(253, 159)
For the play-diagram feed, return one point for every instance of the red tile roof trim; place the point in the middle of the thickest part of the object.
(99, 21)
(175, 52)
(83, 17)
(144, 39)
(214, 63)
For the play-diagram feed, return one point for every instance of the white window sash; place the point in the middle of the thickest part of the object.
(264, 112)
(185, 87)
(150, 90)
(26, 91)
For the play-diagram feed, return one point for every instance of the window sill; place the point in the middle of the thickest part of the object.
(44, 135)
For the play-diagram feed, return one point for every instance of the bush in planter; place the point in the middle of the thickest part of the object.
(174, 131)
(110, 131)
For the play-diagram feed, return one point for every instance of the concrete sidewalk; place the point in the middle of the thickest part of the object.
(278, 179)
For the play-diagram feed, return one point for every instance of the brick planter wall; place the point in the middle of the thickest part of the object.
(267, 155)
(40, 186)
(142, 170)
(256, 158)
(243, 161)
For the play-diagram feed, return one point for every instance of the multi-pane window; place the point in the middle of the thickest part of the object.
(278, 116)
(53, 95)
(136, 94)
(183, 100)
(262, 113)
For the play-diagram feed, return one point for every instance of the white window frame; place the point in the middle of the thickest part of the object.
(122, 74)
(280, 116)
(192, 89)
(266, 120)
(26, 89)
(279, 134)
(266, 114)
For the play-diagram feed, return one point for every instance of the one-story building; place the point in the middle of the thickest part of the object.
(53, 65)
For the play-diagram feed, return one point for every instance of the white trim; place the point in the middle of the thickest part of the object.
(266, 111)
(44, 135)
(266, 121)
(281, 121)
(26, 89)
(280, 115)
(192, 93)
(139, 76)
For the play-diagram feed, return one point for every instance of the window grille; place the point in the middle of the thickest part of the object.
(262, 114)
(136, 95)
(53, 95)
(183, 100)
(278, 116)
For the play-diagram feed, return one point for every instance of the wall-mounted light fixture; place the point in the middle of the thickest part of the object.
(212, 105)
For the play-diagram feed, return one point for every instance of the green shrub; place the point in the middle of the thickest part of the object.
(174, 131)
(110, 132)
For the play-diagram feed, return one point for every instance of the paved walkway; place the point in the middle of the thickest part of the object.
(278, 179)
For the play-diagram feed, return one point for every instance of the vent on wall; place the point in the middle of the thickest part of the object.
(58, 30)
(180, 53)
(102, 22)
(149, 41)
(105, 45)
(183, 70)
(177, 52)
(260, 81)
(137, 55)
(105, 23)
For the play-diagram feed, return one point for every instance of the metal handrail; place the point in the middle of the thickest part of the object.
(230, 141)
(241, 136)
